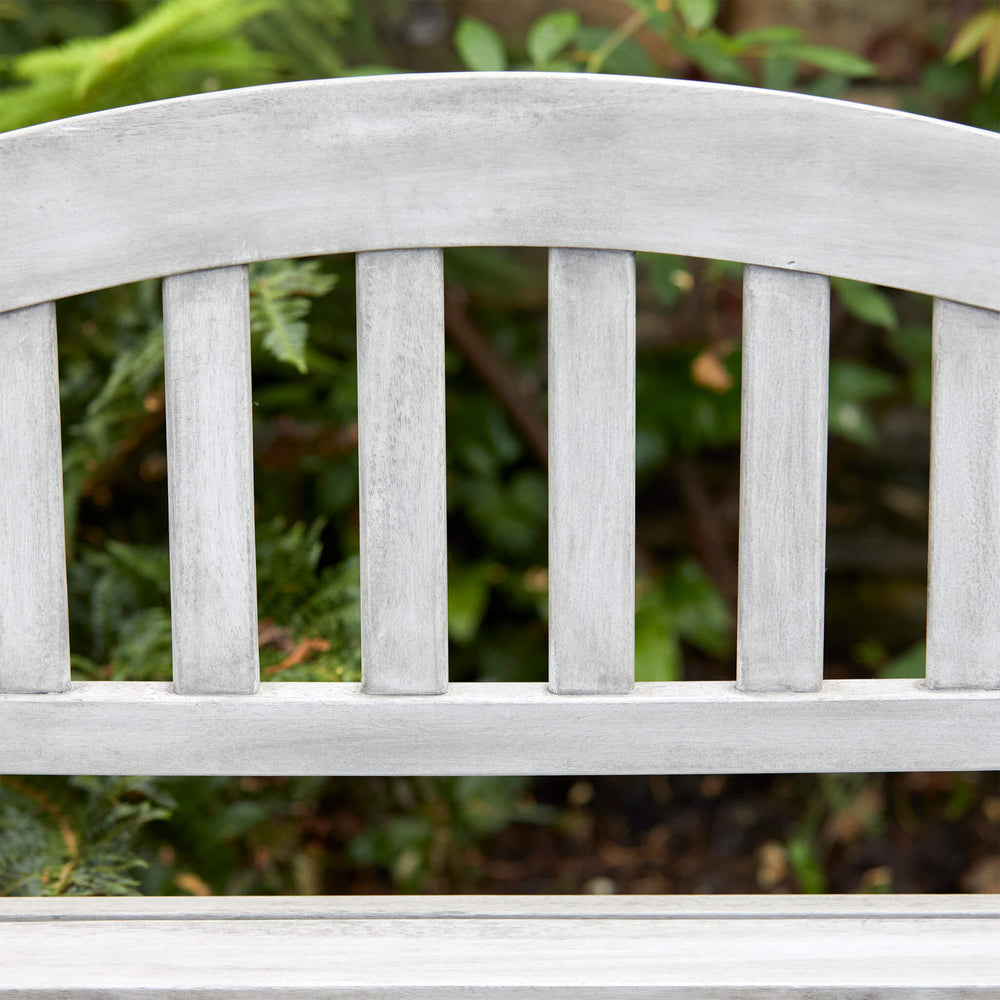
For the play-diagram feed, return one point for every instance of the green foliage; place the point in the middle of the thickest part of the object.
(76, 836)
(550, 34)
(479, 46)
(429, 822)
(866, 302)
(684, 607)
(177, 47)
(851, 386)
(280, 293)
(698, 14)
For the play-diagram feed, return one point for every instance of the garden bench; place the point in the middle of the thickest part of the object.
(394, 169)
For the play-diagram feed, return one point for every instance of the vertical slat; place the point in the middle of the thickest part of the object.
(34, 622)
(404, 584)
(591, 471)
(786, 358)
(213, 575)
(963, 593)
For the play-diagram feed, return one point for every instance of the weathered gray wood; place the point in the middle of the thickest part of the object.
(723, 948)
(786, 358)
(401, 459)
(591, 471)
(488, 159)
(963, 585)
(685, 727)
(34, 622)
(213, 574)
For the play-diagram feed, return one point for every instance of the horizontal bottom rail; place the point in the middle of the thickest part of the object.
(488, 728)
(695, 948)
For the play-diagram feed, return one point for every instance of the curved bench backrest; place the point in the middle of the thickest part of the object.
(512, 159)
(394, 169)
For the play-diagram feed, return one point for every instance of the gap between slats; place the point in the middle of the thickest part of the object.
(401, 458)
(963, 587)
(786, 333)
(591, 471)
(213, 576)
(34, 618)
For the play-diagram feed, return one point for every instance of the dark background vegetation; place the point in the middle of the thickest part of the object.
(867, 833)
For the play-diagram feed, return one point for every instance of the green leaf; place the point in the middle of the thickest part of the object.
(973, 34)
(627, 58)
(708, 52)
(851, 385)
(374, 70)
(703, 617)
(698, 14)
(657, 650)
(479, 46)
(778, 71)
(866, 302)
(280, 294)
(835, 60)
(778, 35)
(911, 663)
(913, 344)
(550, 34)
(468, 595)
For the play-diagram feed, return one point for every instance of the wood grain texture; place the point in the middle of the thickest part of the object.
(828, 948)
(963, 576)
(213, 572)
(684, 727)
(531, 159)
(401, 460)
(786, 359)
(34, 620)
(591, 471)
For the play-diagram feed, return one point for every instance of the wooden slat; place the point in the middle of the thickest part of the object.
(34, 622)
(495, 948)
(401, 457)
(963, 599)
(500, 159)
(591, 471)
(684, 727)
(786, 333)
(213, 575)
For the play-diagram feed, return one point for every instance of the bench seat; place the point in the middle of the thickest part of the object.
(719, 947)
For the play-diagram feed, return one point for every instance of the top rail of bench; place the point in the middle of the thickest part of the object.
(551, 160)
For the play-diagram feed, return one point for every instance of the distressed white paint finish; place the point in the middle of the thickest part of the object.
(532, 159)
(213, 575)
(591, 471)
(34, 622)
(685, 727)
(786, 359)
(401, 459)
(614, 948)
(963, 586)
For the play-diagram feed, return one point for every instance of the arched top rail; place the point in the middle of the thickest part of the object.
(528, 159)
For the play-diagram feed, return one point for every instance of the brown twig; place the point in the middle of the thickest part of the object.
(497, 373)
(709, 540)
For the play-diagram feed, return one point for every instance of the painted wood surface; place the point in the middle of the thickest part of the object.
(535, 159)
(832, 947)
(963, 586)
(782, 560)
(591, 395)
(213, 570)
(34, 621)
(401, 458)
(684, 727)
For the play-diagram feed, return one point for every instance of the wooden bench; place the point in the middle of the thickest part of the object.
(394, 169)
